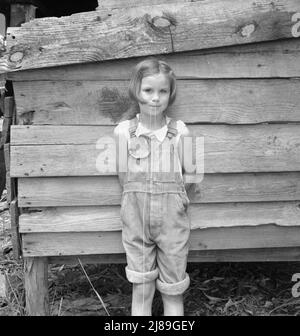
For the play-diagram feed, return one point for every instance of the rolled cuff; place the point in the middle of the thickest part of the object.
(173, 288)
(138, 277)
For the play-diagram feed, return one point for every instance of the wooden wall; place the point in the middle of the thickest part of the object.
(249, 119)
(244, 100)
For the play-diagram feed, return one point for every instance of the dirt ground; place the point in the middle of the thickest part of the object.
(224, 289)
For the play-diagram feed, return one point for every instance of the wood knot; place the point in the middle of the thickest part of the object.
(247, 30)
(161, 22)
(164, 22)
(16, 57)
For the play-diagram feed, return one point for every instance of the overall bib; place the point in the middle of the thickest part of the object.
(156, 227)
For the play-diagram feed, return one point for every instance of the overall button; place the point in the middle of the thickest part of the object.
(139, 147)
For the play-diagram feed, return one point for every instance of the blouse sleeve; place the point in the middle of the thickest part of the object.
(183, 131)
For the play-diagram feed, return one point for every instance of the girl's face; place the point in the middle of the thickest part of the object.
(155, 92)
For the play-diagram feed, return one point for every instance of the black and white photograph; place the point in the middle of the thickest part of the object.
(150, 161)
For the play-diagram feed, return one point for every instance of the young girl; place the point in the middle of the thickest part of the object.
(156, 227)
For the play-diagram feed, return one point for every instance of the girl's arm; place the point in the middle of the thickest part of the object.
(120, 138)
(185, 151)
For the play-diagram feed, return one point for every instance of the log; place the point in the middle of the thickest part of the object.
(227, 149)
(263, 236)
(106, 190)
(211, 215)
(147, 30)
(36, 286)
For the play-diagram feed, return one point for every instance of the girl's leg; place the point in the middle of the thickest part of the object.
(142, 297)
(173, 305)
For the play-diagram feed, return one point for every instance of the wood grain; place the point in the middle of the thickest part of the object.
(239, 101)
(36, 286)
(227, 149)
(236, 255)
(264, 236)
(14, 225)
(214, 188)
(146, 30)
(211, 215)
(271, 59)
(117, 4)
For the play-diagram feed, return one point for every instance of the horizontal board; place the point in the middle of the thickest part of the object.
(227, 149)
(214, 188)
(107, 218)
(240, 101)
(257, 60)
(245, 255)
(146, 30)
(54, 244)
(117, 4)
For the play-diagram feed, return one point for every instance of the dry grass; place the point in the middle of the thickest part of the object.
(222, 289)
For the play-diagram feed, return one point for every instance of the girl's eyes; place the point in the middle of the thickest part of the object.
(150, 90)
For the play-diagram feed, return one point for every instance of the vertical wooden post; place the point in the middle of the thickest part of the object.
(35, 269)
(14, 228)
(9, 112)
(36, 286)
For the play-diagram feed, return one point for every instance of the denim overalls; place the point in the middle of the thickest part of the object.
(156, 227)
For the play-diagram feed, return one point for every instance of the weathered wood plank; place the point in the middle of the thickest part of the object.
(227, 149)
(147, 30)
(214, 188)
(239, 101)
(117, 4)
(257, 60)
(264, 236)
(242, 255)
(36, 286)
(107, 218)
(58, 135)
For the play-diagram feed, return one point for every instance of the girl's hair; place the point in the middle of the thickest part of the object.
(148, 67)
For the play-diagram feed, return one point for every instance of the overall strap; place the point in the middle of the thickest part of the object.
(172, 129)
(133, 124)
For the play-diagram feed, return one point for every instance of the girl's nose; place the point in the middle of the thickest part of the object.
(155, 97)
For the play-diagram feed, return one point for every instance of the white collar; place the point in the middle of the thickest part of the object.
(159, 133)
